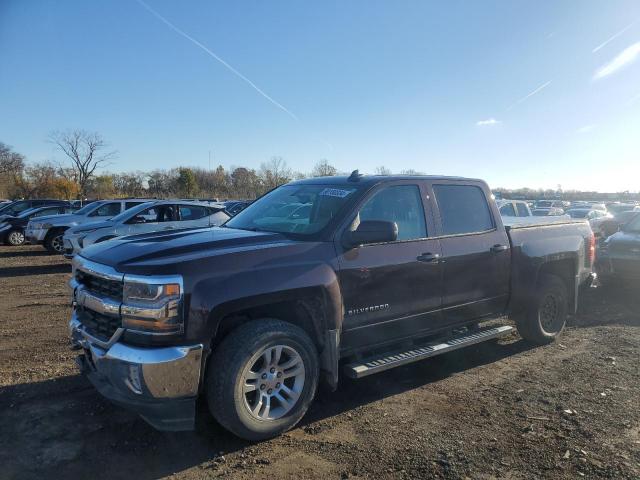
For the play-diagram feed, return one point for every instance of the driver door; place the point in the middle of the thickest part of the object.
(392, 290)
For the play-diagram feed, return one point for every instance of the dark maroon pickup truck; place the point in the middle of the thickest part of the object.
(318, 278)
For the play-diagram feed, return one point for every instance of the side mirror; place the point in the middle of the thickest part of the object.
(371, 231)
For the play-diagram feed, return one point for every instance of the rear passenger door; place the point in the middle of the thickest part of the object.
(475, 252)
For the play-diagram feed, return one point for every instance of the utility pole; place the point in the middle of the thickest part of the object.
(209, 160)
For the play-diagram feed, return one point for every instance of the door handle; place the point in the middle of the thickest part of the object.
(499, 248)
(429, 257)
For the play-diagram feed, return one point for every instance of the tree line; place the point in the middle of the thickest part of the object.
(86, 153)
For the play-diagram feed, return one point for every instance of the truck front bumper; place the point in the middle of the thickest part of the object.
(160, 384)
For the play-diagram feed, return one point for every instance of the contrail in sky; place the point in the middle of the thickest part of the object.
(215, 57)
(614, 36)
(530, 94)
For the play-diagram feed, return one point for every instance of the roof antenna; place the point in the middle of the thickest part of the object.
(355, 176)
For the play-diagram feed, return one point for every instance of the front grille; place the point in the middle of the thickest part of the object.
(100, 286)
(100, 326)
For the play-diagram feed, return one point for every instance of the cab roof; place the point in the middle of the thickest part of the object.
(374, 179)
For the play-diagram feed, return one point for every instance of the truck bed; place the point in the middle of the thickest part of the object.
(526, 222)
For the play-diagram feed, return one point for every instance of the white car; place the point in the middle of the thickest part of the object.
(513, 208)
(49, 230)
(147, 217)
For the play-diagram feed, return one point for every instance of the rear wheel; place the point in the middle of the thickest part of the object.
(543, 320)
(15, 238)
(53, 241)
(262, 378)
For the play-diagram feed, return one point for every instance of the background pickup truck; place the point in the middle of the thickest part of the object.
(319, 277)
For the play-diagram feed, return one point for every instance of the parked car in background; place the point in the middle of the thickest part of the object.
(619, 255)
(587, 214)
(144, 218)
(544, 212)
(604, 227)
(12, 209)
(12, 228)
(615, 208)
(549, 204)
(514, 208)
(233, 207)
(48, 231)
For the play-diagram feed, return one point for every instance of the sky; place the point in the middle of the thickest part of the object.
(519, 93)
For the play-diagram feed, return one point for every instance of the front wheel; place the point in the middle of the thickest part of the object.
(546, 316)
(262, 378)
(15, 238)
(53, 241)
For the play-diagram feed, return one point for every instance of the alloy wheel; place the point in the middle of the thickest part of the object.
(16, 238)
(57, 243)
(272, 381)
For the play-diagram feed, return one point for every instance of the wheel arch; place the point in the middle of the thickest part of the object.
(311, 308)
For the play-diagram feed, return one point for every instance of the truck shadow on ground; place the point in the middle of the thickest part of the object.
(26, 253)
(63, 428)
(23, 271)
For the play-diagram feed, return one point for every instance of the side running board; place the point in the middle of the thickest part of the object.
(387, 360)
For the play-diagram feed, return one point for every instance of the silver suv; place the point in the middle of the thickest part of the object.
(48, 231)
(148, 217)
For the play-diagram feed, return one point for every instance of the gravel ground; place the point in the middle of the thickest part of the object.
(497, 410)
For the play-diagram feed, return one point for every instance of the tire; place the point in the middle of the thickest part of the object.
(15, 238)
(53, 241)
(238, 362)
(546, 316)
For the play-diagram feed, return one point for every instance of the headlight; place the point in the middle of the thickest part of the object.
(153, 305)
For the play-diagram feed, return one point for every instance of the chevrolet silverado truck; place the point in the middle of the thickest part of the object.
(374, 272)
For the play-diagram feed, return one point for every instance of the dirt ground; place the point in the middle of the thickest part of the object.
(496, 410)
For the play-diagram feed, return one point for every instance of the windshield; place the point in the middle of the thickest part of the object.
(127, 214)
(88, 208)
(28, 212)
(300, 209)
(578, 213)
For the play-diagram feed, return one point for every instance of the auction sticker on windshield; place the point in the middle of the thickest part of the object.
(335, 192)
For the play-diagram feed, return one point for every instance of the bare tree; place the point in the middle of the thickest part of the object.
(10, 162)
(324, 169)
(383, 170)
(275, 172)
(84, 151)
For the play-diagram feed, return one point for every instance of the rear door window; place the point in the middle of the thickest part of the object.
(463, 209)
(523, 211)
(507, 210)
(128, 205)
(192, 212)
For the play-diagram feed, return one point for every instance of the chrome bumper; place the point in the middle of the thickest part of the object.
(161, 384)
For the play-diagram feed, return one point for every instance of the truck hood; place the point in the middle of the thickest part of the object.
(166, 248)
